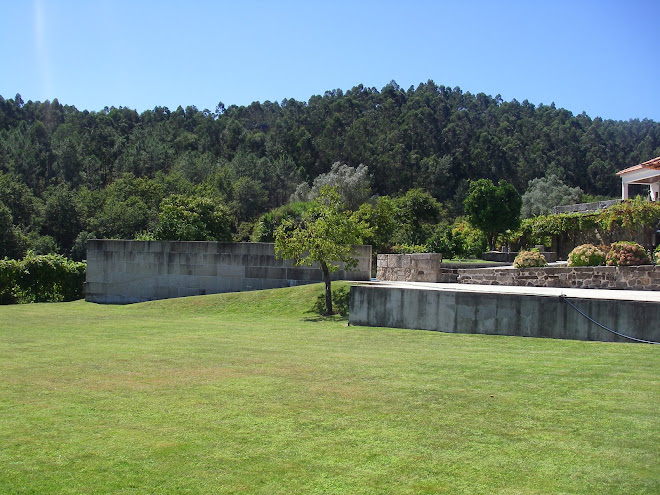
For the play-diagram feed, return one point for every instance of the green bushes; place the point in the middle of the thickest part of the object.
(628, 219)
(625, 253)
(586, 255)
(340, 300)
(528, 259)
(41, 278)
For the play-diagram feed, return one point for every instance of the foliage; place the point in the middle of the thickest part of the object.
(353, 185)
(65, 171)
(529, 259)
(627, 253)
(183, 218)
(626, 219)
(458, 240)
(586, 255)
(9, 273)
(410, 248)
(264, 228)
(249, 199)
(546, 192)
(493, 209)
(340, 301)
(381, 216)
(656, 255)
(326, 235)
(41, 278)
(12, 240)
(416, 214)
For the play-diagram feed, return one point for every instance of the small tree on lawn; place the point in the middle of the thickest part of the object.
(325, 235)
(492, 209)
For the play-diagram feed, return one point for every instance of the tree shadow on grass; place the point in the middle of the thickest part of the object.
(315, 317)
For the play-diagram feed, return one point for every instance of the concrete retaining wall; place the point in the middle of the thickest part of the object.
(646, 277)
(120, 272)
(501, 314)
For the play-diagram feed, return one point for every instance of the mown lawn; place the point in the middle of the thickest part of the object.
(247, 393)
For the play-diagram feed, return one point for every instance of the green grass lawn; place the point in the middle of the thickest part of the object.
(247, 393)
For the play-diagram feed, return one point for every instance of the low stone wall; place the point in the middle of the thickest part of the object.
(120, 272)
(646, 277)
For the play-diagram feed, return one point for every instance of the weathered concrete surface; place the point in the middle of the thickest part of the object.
(121, 272)
(516, 311)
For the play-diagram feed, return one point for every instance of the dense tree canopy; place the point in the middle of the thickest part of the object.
(544, 193)
(493, 209)
(60, 166)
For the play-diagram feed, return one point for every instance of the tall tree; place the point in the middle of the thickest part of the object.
(493, 209)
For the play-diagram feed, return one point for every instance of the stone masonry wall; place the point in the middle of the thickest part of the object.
(646, 277)
(418, 267)
(120, 272)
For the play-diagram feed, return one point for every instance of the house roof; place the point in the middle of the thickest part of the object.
(653, 164)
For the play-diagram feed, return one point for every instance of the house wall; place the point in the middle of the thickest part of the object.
(121, 271)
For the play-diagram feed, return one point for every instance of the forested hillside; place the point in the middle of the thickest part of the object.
(67, 174)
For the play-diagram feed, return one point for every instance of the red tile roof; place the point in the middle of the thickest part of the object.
(653, 164)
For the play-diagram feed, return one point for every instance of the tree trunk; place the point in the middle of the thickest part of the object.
(328, 290)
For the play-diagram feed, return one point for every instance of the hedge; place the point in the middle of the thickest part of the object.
(41, 278)
(625, 220)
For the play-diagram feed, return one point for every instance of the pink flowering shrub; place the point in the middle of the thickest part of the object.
(586, 255)
(527, 259)
(626, 253)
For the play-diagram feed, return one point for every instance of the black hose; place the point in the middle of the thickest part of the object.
(563, 296)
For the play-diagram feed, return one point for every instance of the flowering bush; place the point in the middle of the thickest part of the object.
(656, 255)
(626, 253)
(531, 258)
(586, 255)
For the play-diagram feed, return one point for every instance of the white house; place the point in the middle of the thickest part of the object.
(647, 173)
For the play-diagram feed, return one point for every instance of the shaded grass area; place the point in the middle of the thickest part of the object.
(249, 393)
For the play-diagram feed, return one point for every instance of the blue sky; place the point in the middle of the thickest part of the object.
(601, 57)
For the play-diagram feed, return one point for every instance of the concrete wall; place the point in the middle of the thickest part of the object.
(501, 314)
(120, 272)
(646, 277)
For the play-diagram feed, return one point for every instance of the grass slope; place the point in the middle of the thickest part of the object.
(247, 393)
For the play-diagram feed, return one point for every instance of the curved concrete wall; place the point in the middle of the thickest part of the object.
(120, 272)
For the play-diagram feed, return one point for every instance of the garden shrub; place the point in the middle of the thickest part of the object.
(458, 240)
(409, 249)
(627, 253)
(586, 255)
(8, 275)
(528, 259)
(656, 255)
(41, 278)
(340, 300)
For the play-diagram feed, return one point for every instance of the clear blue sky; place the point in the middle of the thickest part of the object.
(601, 57)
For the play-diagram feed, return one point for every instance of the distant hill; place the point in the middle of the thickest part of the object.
(433, 137)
